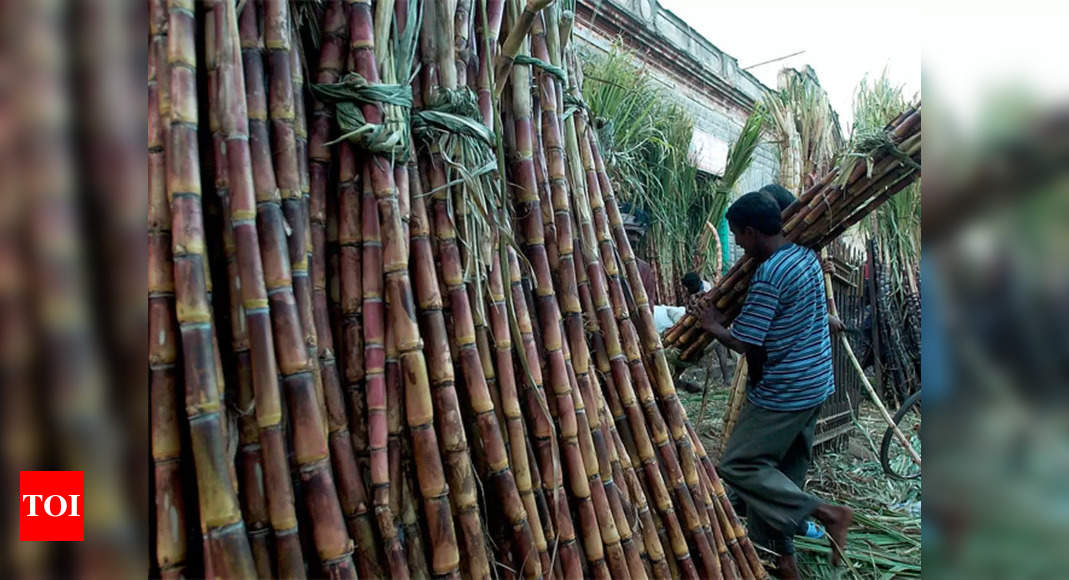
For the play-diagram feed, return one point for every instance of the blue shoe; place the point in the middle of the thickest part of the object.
(813, 530)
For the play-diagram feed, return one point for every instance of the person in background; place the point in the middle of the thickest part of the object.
(784, 199)
(635, 226)
(695, 286)
(694, 283)
(783, 331)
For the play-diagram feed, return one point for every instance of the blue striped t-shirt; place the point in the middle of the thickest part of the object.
(786, 312)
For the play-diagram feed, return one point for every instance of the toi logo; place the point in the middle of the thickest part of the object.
(51, 506)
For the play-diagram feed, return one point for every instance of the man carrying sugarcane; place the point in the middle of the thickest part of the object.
(783, 331)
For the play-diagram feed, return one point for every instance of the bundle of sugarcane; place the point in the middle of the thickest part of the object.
(880, 165)
(430, 302)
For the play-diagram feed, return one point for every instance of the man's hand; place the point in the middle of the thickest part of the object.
(710, 318)
(712, 321)
(835, 324)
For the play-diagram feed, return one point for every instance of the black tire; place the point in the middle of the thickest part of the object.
(913, 400)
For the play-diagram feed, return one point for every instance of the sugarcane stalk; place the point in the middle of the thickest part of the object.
(270, 221)
(865, 381)
(546, 439)
(674, 411)
(253, 496)
(429, 287)
(734, 282)
(623, 509)
(879, 404)
(652, 524)
(677, 462)
(730, 524)
(394, 412)
(616, 533)
(620, 334)
(349, 280)
(418, 406)
(892, 176)
(651, 341)
(889, 186)
(228, 547)
(475, 381)
(282, 116)
(510, 407)
(463, 48)
(414, 548)
(233, 126)
(453, 439)
(521, 27)
(629, 416)
(728, 568)
(251, 463)
(615, 408)
(464, 339)
(488, 16)
(352, 492)
(401, 172)
(486, 357)
(845, 202)
(659, 566)
(528, 207)
(735, 402)
(650, 548)
(545, 447)
(731, 539)
(360, 261)
(617, 557)
(171, 547)
(374, 316)
(621, 553)
(268, 284)
(542, 178)
(300, 133)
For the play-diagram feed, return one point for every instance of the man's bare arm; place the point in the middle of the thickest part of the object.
(724, 335)
(755, 354)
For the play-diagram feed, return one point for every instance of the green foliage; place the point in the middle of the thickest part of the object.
(897, 225)
(740, 157)
(645, 136)
(808, 128)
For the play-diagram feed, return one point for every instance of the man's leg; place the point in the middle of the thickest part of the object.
(736, 502)
(722, 360)
(749, 466)
(795, 463)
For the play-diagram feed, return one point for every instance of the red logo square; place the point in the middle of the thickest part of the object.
(51, 506)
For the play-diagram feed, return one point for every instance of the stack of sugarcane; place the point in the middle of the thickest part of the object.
(879, 166)
(427, 350)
